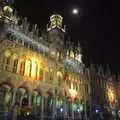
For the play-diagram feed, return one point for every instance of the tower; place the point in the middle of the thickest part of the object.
(56, 32)
(6, 11)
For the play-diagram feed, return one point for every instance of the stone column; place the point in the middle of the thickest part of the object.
(54, 108)
(29, 98)
(14, 96)
(4, 111)
(34, 101)
(42, 107)
(6, 100)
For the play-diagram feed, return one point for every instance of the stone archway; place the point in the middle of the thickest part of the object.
(20, 95)
(25, 100)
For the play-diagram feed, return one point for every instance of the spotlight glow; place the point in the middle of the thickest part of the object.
(96, 111)
(61, 109)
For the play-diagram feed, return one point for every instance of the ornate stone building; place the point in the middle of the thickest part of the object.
(43, 74)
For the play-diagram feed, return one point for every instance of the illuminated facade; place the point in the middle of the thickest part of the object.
(45, 74)
(41, 73)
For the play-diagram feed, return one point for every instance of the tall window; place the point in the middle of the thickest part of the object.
(38, 104)
(38, 100)
(41, 74)
(26, 44)
(86, 88)
(31, 47)
(59, 77)
(77, 87)
(59, 80)
(68, 83)
(59, 102)
(74, 86)
(15, 64)
(7, 63)
(20, 41)
(28, 66)
(49, 105)
(22, 68)
(34, 70)
(50, 75)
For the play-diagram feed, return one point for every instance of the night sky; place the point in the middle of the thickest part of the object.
(97, 26)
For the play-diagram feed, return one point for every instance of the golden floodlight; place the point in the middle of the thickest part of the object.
(34, 70)
(72, 92)
(111, 95)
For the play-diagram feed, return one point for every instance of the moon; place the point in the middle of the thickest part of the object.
(75, 11)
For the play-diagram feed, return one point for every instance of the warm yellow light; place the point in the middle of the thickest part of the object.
(27, 68)
(111, 95)
(72, 92)
(59, 74)
(34, 70)
(31, 67)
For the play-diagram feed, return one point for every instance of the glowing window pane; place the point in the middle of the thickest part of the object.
(22, 68)
(59, 103)
(34, 71)
(28, 68)
(15, 66)
(49, 101)
(38, 100)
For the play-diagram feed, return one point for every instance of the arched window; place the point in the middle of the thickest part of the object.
(49, 105)
(69, 84)
(38, 104)
(25, 100)
(41, 75)
(74, 85)
(7, 63)
(22, 68)
(34, 70)
(26, 44)
(28, 66)
(59, 103)
(59, 77)
(20, 41)
(51, 75)
(38, 100)
(15, 64)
